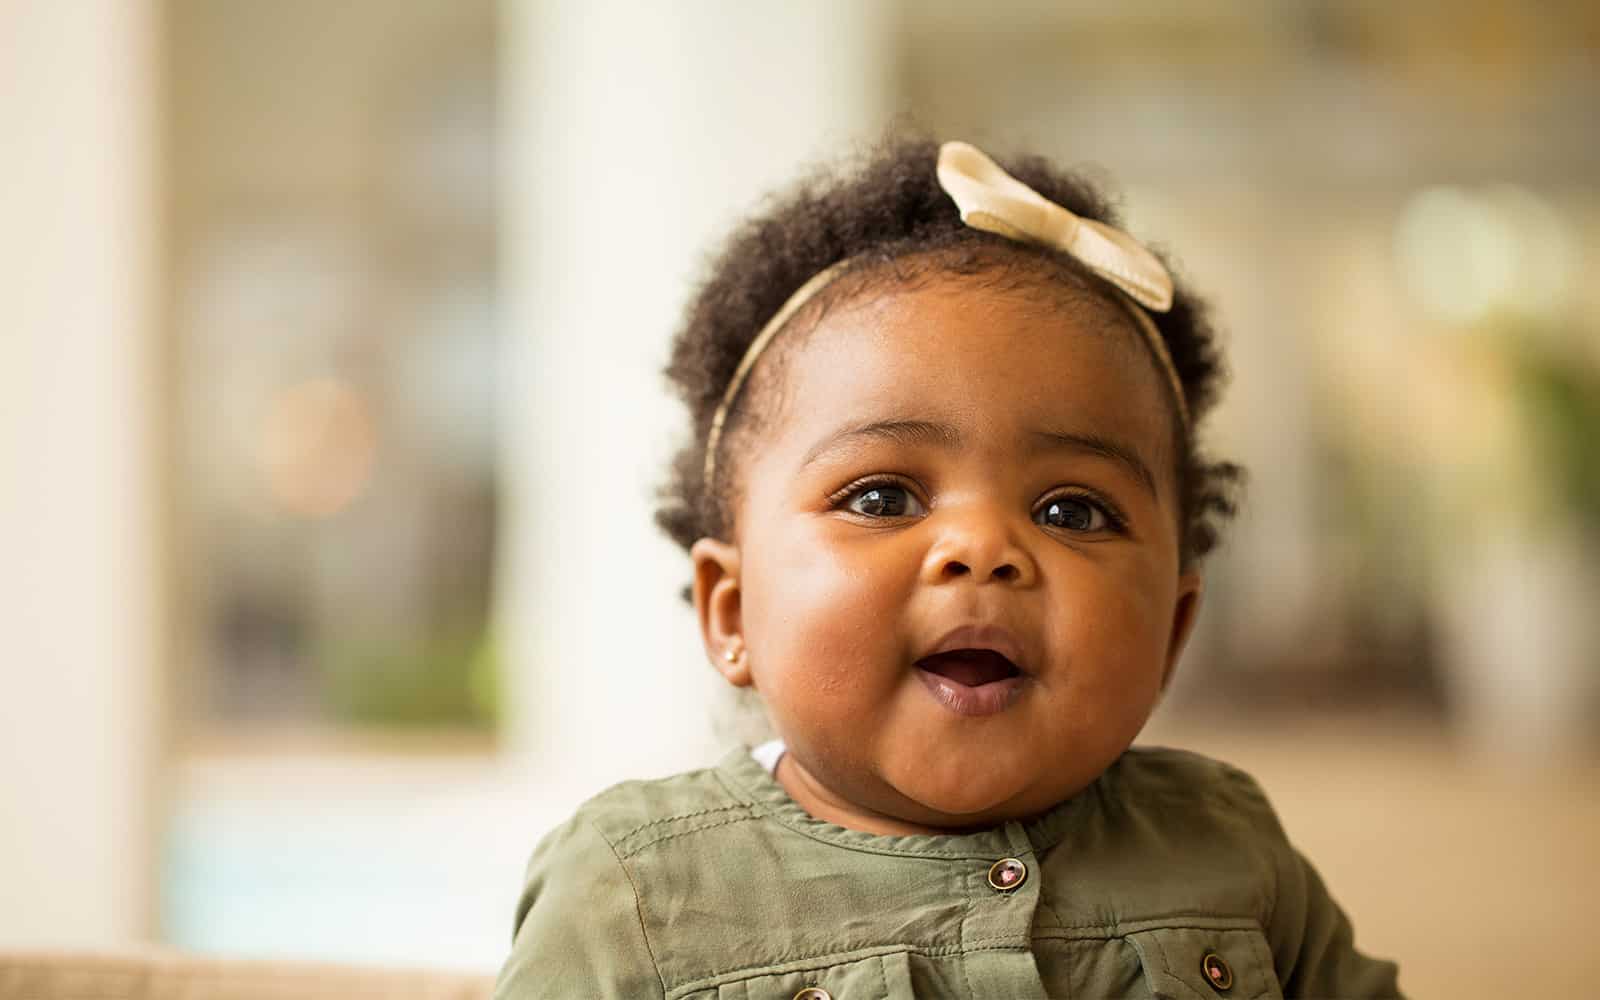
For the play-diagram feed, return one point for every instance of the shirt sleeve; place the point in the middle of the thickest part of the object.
(1313, 945)
(579, 930)
(1312, 942)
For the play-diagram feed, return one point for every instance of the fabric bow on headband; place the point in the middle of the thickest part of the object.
(992, 200)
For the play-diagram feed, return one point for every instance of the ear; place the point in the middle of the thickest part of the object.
(717, 605)
(1184, 612)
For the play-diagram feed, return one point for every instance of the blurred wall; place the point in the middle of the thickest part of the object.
(79, 609)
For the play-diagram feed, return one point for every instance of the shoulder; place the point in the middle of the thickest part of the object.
(612, 827)
(580, 927)
(634, 815)
(1169, 777)
(1180, 832)
(1160, 766)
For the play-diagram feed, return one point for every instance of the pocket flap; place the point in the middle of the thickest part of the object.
(1194, 963)
(875, 977)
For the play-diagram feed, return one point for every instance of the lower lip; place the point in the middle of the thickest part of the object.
(985, 699)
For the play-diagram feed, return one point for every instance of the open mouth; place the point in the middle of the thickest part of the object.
(971, 682)
(970, 667)
(976, 668)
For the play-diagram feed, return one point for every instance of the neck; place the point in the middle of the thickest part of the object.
(821, 803)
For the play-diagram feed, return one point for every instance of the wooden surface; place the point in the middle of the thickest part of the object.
(164, 975)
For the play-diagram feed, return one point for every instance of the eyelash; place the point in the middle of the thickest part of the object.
(1115, 520)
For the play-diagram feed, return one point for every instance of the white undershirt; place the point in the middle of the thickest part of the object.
(767, 755)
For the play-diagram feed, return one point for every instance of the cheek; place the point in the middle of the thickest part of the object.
(1112, 631)
(820, 619)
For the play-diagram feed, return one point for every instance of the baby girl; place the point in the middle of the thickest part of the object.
(946, 512)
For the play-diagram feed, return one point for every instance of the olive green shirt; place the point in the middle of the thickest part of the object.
(1169, 876)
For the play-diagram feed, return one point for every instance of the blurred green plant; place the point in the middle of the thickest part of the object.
(451, 679)
(1559, 396)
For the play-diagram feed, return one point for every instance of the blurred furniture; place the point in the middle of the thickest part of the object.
(166, 975)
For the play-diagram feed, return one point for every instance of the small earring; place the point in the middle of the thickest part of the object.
(731, 654)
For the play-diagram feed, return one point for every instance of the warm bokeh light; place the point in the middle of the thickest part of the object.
(317, 447)
(1465, 252)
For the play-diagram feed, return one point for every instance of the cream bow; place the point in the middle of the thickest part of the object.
(992, 200)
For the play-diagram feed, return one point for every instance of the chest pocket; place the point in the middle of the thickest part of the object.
(878, 977)
(1191, 963)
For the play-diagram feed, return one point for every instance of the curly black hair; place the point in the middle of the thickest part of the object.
(888, 216)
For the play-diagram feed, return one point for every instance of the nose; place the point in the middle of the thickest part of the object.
(978, 542)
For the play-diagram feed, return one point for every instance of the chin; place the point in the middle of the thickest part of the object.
(968, 802)
(965, 786)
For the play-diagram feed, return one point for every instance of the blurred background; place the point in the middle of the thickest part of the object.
(332, 416)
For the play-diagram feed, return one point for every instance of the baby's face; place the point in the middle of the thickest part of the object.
(960, 468)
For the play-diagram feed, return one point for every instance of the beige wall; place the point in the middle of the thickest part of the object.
(78, 518)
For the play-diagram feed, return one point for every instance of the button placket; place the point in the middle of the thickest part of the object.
(996, 936)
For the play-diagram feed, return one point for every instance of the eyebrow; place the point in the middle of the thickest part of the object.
(947, 436)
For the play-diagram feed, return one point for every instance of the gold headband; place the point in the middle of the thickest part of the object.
(992, 200)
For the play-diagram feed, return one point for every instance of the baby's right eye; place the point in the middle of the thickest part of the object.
(884, 500)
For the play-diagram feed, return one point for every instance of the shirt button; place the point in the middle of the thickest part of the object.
(1216, 971)
(1006, 874)
(813, 993)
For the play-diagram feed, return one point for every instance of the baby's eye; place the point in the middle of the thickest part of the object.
(884, 500)
(1074, 513)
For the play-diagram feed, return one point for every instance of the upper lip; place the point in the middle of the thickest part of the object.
(991, 637)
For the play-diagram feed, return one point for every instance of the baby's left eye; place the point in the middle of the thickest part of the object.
(1074, 514)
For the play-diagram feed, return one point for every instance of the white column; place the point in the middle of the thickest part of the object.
(78, 522)
(635, 135)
